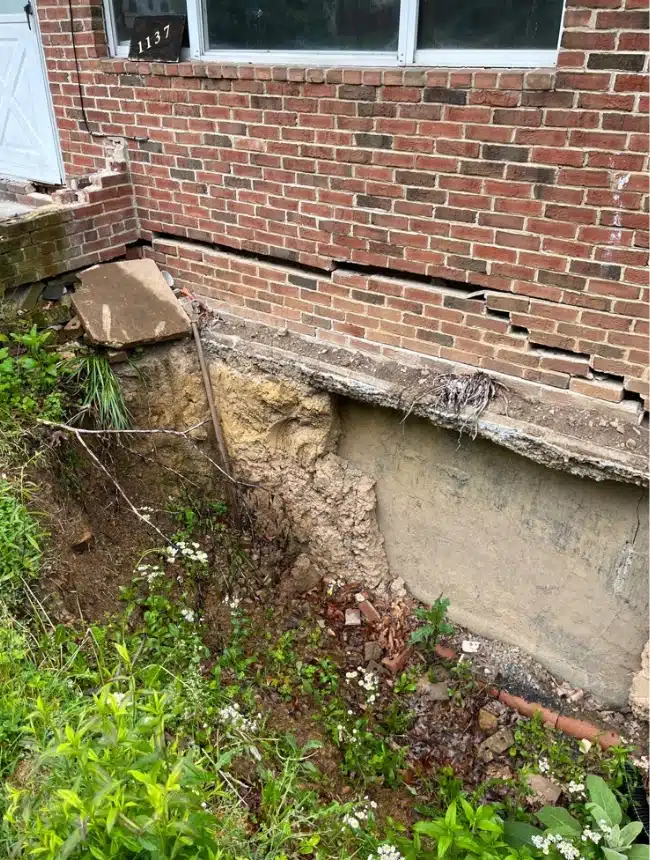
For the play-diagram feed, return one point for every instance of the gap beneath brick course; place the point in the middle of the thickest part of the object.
(379, 310)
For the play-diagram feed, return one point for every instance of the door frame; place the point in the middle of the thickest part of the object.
(56, 142)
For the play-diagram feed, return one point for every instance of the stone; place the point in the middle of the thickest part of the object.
(82, 542)
(70, 331)
(53, 291)
(352, 618)
(487, 722)
(438, 692)
(640, 689)
(398, 587)
(128, 303)
(544, 790)
(498, 770)
(303, 577)
(26, 298)
(470, 647)
(369, 612)
(372, 651)
(497, 744)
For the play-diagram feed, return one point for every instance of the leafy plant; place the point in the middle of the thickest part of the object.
(463, 831)
(433, 625)
(567, 837)
(29, 377)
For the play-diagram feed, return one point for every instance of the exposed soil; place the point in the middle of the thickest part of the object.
(96, 543)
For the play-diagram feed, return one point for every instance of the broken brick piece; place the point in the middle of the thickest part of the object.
(369, 612)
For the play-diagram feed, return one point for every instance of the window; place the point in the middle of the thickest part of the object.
(507, 33)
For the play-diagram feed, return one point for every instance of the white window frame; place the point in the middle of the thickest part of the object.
(406, 54)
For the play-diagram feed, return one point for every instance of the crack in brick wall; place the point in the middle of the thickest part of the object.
(530, 184)
(381, 314)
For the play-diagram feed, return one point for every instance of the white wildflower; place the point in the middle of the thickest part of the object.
(591, 836)
(386, 852)
(351, 821)
(230, 716)
(543, 765)
(188, 615)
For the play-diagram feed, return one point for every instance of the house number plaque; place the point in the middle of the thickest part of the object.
(157, 37)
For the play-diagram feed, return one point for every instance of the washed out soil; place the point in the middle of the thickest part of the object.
(96, 543)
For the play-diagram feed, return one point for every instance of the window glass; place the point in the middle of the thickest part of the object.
(295, 25)
(126, 10)
(489, 24)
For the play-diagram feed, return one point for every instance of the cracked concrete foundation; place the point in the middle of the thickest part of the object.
(544, 558)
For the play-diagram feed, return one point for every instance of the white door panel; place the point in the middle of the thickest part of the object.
(29, 147)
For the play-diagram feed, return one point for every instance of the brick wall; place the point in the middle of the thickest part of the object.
(95, 226)
(530, 186)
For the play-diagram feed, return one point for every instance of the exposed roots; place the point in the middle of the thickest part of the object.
(466, 395)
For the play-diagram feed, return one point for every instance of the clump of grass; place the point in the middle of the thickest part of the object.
(20, 534)
(101, 392)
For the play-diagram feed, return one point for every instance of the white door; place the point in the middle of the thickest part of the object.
(29, 144)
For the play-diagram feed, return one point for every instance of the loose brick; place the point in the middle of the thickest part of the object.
(613, 392)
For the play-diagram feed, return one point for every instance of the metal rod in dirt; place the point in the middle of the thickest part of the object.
(216, 424)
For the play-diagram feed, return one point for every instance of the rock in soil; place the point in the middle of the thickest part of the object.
(496, 745)
(352, 618)
(433, 692)
(303, 577)
(82, 541)
(544, 790)
(487, 722)
(372, 651)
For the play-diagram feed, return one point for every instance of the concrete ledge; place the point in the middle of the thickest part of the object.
(559, 429)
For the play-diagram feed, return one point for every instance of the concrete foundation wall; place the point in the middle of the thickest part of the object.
(541, 559)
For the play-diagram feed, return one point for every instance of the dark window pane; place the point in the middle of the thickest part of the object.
(126, 10)
(295, 25)
(489, 24)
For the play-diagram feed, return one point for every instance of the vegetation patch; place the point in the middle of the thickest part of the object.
(217, 717)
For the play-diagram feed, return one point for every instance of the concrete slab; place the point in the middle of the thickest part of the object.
(9, 209)
(127, 304)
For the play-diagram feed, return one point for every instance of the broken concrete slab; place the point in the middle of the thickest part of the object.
(128, 304)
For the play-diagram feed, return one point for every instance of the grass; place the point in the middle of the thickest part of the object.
(102, 396)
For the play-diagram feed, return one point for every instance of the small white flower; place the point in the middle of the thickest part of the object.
(543, 765)
(388, 852)
(351, 822)
(188, 615)
(591, 836)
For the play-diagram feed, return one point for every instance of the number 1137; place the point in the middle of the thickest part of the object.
(145, 44)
